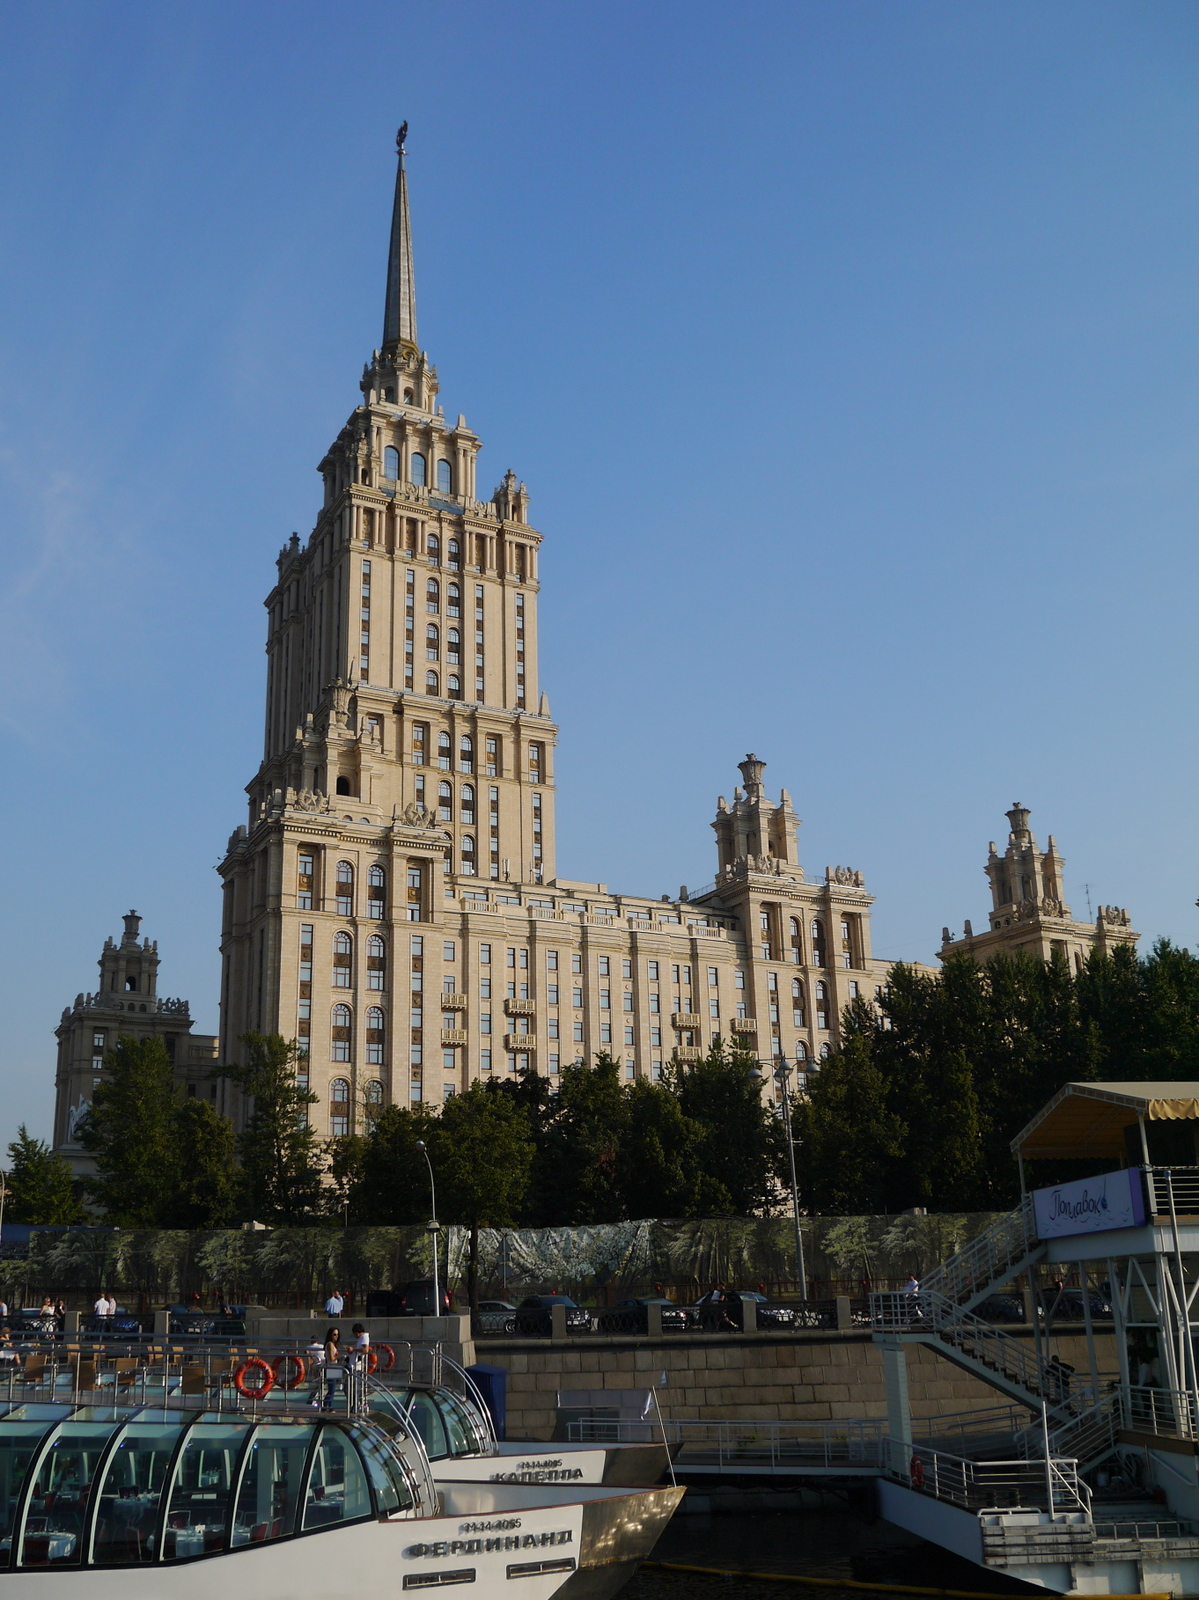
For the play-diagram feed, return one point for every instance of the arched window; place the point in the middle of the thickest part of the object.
(343, 786)
(432, 642)
(453, 600)
(341, 1033)
(445, 802)
(801, 1051)
(466, 804)
(796, 943)
(466, 753)
(453, 553)
(376, 892)
(818, 953)
(445, 476)
(345, 889)
(468, 855)
(445, 752)
(416, 469)
(376, 966)
(434, 549)
(432, 683)
(391, 462)
(432, 595)
(797, 1006)
(374, 1036)
(343, 961)
(453, 687)
(825, 1052)
(847, 943)
(339, 1108)
(373, 1098)
(822, 1005)
(453, 647)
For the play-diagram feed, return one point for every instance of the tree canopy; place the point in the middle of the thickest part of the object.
(39, 1183)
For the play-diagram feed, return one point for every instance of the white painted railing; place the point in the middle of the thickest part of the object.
(985, 1263)
(1052, 1485)
(730, 1444)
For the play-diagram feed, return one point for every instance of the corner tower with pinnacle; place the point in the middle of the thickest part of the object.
(1029, 913)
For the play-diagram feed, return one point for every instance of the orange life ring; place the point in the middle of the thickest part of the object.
(916, 1471)
(257, 1391)
(372, 1360)
(389, 1354)
(290, 1363)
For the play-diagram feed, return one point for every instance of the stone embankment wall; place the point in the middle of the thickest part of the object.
(812, 1377)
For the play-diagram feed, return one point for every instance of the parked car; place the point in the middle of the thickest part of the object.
(534, 1319)
(715, 1310)
(1065, 1305)
(416, 1300)
(1001, 1308)
(632, 1316)
(186, 1322)
(496, 1316)
(123, 1325)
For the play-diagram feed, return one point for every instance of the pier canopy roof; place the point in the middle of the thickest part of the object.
(1088, 1120)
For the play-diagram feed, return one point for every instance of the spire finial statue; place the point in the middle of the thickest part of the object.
(399, 316)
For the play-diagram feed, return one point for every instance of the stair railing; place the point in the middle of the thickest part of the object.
(985, 1262)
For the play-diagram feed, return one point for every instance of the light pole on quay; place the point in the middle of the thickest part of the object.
(782, 1076)
(434, 1227)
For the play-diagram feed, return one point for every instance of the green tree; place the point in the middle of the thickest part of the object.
(130, 1132)
(660, 1162)
(576, 1176)
(382, 1174)
(207, 1188)
(280, 1153)
(482, 1155)
(742, 1147)
(849, 1138)
(40, 1185)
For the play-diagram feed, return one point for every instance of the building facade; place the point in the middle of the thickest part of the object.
(393, 900)
(1028, 909)
(125, 1005)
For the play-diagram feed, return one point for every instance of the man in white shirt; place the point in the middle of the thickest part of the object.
(335, 1304)
(104, 1307)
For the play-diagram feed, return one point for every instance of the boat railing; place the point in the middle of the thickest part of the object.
(1052, 1485)
(853, 1442)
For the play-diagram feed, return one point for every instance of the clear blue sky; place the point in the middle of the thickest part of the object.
(848, 351)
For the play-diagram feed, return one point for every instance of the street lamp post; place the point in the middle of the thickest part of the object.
(434, 1227)
(782, 1076)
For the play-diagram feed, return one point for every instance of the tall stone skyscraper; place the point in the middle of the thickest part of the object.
(393, 900)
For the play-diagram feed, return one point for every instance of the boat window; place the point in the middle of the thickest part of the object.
(129, 1494)
(198, 1510)
(460, 1426)
(18, 1441)
(426, 1420)
(337, 1487)
(270, 1484)
(392, 1491)
(55, 1516)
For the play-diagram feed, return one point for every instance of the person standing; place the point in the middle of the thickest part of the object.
(333, 1367)
(335, 1304)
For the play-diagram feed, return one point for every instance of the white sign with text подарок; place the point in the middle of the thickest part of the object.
(1090, 1205)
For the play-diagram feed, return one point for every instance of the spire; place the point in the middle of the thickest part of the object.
(399, 317)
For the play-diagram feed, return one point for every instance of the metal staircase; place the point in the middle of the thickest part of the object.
(1008, 1247)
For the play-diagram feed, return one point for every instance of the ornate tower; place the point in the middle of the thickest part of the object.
(408, 748)
(1028, 907)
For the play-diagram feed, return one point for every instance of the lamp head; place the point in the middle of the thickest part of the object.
(420, 1144)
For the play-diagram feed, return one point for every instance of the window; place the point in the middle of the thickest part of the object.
(536, 761)
(628, 1000)
(453, 647)
(453, 687)
(445, 802)
(375, 962)
(345, 889)
(605, 999)
(713, 977)
(605, 966)
(576, 961)
(469, 866)
(818, 951)
(416, 468)
(343, 960)
(420, 744)
(466, 804)
(801, 1051)
(796, 943)
(391, 462)
(432, 683)
(493, 767)
(578, 1033)
(551, 961)
(822, 1005)
(304, 877)
(373, 1097)
(453, 593)
(605, 1033)
(797, 1006)
(847, 943)
(339, 1108)
(375, 892)
(414, 894)
(445, 751)
(825, 1052)
(466, 753)
(341, 1033)
(374, 1036)
(432, 642)
(655, 1001)
(433, 596)
(434, 549)
(445, 477)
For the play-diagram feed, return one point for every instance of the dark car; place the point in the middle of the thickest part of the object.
(188, 1322)
(716, 1310)
(632, 1316)
(1001, 1308)
(416, 1300)
(124, 1326)
(1065, 1305)
(495, 1316)
(534, 1315)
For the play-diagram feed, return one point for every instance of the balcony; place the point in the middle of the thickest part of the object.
(454, 1036)
(520, 1041)
(744, 1025)
(688, 1052)
(520, 1008)
(686, 1019)
(453, 1002)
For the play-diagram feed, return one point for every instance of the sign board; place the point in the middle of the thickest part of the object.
(1090, 1205)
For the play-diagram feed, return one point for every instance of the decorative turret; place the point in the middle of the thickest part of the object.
(755, 834)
